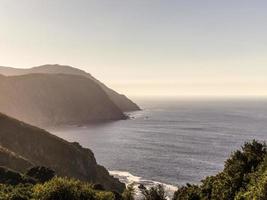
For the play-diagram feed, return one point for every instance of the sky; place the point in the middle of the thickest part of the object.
(144, 47)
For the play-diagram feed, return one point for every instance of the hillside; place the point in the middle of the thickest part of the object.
(26, 145)
(120, 100)
(13, 161)
(55, 99)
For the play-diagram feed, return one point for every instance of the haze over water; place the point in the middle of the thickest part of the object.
(175, 141)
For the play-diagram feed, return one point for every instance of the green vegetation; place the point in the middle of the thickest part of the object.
(41, 174)
(153, 193)
(68, 189)
(244, 178)
(18, 192)
(55, 189)
(39, 183)
(129, 193)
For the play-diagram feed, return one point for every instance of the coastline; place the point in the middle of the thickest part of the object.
(127, 178)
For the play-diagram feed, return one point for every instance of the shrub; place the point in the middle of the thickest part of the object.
(240, 170)
(154, 193)
(129, 193)
(68, 189)
(41, 174)
(188, 192)
(18, 192)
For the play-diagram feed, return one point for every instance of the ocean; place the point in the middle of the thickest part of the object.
(172, 142)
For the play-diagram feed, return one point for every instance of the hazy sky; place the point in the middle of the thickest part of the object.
(144, 47)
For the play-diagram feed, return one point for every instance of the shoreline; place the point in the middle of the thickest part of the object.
(128, 178)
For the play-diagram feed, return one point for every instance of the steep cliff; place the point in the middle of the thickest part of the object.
(122, 102)
(55, 99)
(29, 145)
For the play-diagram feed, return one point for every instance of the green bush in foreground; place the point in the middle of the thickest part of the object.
(55, 189)
(18, 192)
(257, 188)
(242, 178)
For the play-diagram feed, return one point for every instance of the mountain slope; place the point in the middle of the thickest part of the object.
(120, 100)
(55, 99)
(44, 149)
(13, 161)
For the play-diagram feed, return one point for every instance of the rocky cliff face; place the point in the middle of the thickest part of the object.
(55, 99)
(120, 100)
(24, 145)
(13, 161)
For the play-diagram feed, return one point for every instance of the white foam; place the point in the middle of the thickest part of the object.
(128, 178)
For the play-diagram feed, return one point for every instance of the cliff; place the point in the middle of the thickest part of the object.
(122, 102)
(26, 145)
(13, 161)
(55, 99)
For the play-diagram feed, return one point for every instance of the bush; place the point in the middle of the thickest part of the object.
(188, 192)
(41, 174)
(98, 187)
(68, 189)
(153, 193)
(104, 196)
(240, 170)
(129, 193)
(257, 189)
(18, 192)
(237, 172)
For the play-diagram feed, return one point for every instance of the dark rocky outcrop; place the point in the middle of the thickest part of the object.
(120, 100)
(23, 143)
(55, 99)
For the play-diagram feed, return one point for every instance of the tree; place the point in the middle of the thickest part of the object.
(154, 193)
(188, 192)
(41, 174)
(241, 171)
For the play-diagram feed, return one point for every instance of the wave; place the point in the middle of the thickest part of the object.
(128, 178)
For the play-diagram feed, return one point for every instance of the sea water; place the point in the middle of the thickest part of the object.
(172, 142)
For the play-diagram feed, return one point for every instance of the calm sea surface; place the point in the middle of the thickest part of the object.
(175, 141)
